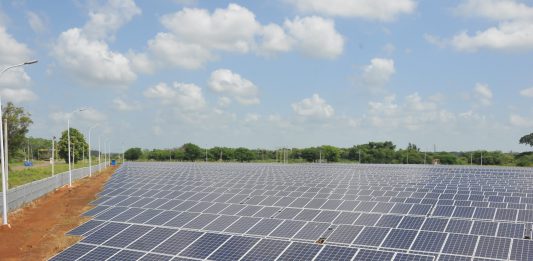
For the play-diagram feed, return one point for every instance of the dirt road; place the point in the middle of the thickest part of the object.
(38, 231)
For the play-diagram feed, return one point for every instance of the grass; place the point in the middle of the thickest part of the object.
(20, 176)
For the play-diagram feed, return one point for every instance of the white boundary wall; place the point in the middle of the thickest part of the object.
(18, 196)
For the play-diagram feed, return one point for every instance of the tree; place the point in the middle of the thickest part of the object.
(243, 154)
(330, 153)
(78, 146)
(527, 139)
(133, 153)
(310, 154)
(18, 121)
(191, 152)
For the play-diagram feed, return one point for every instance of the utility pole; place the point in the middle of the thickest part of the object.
(6, 152)
(471, 160)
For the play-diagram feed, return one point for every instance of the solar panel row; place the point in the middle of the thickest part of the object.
(158, 211)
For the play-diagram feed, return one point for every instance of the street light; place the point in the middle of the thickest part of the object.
(90, 166)
(4, 164)
(99, 156)
(68, 138)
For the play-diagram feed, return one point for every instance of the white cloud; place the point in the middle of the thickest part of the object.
(17, 95)
(275, 40)
(105, 20)
(316, 36)
(483, 94)
(251, 117)
(378, 73)
(91, 62)
(520, 121)
(314, 107)
(513, 32)
(496, 9)
(382, 10)
(184, 97)
(15, 81)
(89, 115)
(195, 36)
(168, 50)
(140, 62)
(415, 113)
(230, 29)
(36, 22)
(224, 102)
(527, 92)
(227, 82)
(85, 54)
(126, 105)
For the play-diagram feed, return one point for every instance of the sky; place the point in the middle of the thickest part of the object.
(267, 74)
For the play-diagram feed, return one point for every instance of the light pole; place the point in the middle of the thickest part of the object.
(90, 166)
(99, 156)
(68, 145)
(53, 155)
(4, 164)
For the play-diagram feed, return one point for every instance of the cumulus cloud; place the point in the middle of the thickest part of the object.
(415, 113)
(513, 31)
(182, 96)
(378, 73)
(85, 54)
(483, 94)
(520, 121)
(527, 92)
(226, 82)
(316, 36)
(382, 10)
(17, 95)
(126, 104)
(313, 107)
(37, 23)
(14, 83)
(195, 36)
(105, 20)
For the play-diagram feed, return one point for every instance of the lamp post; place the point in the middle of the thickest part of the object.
(3, 158)
(4, 163)
(68, 145)
(90, 166)
(53, 155)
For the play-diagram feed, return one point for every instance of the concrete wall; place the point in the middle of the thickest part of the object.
(18, 196)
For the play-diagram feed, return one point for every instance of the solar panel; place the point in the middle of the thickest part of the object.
(72, 253)
(429, 241)
(100, 253)
(204, 245)
(336, 253)
(399, 239)
(373, 255)
(266, 249)
(234, 248)
(493, 247)
(460, 244)
(152, 239)
(300, 251)
(415, 212)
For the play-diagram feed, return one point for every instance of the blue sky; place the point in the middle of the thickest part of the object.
(267, 74)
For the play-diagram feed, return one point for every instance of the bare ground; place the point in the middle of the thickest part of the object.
(38, 230)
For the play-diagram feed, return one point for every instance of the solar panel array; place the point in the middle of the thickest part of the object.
(223, 211)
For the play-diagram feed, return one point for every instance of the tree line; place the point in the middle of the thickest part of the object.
(372, 152)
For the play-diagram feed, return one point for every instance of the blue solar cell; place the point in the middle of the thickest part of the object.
(485, 228)
(336, 253)
(411, 257)
(177, 242)
(100, 253)
(85, 227)
(127, 255)
(371, 236)
(493, 247)
(204, 245)
(300, 251)
(152, 239)
(409, 222)
(399, 238)
(373, 255)
(429, 241)
(266, 249)
(389, 221)
(511, 230)
(127, 236)
(344, 234)
(234, 248)
(435, 224)
(460, 244)
(155, 257)
(104, 233)
(72, 253)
